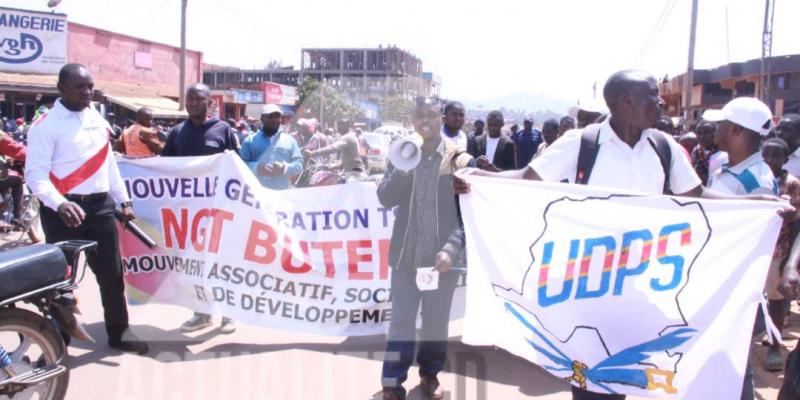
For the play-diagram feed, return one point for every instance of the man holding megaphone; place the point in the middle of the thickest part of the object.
(427, 239)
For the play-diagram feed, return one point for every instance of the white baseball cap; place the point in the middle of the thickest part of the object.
(271, 109)
(748, 112)
(588, 105)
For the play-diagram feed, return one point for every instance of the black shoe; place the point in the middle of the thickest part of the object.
(129, 346)
(390, 394)
(431, 387)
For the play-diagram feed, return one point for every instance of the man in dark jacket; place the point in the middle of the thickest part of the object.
(494, 151)
(200, 135)
(427, 233)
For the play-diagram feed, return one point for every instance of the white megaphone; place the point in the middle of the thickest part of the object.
(405, 153)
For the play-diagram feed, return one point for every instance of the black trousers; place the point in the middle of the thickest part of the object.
(99, 226)
(15, 184)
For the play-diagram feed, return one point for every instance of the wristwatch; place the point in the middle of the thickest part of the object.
(126, 204)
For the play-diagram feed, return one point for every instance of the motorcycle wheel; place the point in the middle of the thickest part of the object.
(32, 343)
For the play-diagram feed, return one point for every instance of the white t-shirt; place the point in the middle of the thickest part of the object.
(618, 165)
(724, 180)
(491, 147)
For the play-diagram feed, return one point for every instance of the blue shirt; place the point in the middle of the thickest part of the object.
(259, 148)
(527, 145)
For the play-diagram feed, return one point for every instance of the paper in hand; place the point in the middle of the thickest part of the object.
(427, 279)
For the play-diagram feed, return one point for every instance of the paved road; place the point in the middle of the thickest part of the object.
(258, 363)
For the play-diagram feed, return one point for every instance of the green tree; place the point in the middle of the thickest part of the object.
(313, 96)
(396, 109)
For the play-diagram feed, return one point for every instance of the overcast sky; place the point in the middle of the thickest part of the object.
(480, 49)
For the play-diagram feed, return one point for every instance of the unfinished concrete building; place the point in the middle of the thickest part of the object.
(362, 74)
(366, 73)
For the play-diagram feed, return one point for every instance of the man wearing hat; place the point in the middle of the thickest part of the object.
(200, 135)
(587, 112)
(270, 153)
(742, 123)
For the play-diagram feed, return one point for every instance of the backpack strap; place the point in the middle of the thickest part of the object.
(587, 154)
(660, 145)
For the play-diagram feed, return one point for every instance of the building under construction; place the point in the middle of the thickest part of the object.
(362, 74)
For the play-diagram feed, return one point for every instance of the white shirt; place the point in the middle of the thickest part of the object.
(60, 142)
(460, 140)
(793, 163)
(539, 150)
(725, 181)
(717, 161)
(618, 165)
(491, 147)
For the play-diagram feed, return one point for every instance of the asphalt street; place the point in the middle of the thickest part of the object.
(260, 363)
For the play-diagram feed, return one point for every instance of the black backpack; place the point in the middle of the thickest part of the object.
(590, 146)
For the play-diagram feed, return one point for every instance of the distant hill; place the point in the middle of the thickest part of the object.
(529, 102)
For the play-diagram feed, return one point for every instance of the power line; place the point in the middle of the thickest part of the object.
(666, 12)
(243, 18)
(655, 26)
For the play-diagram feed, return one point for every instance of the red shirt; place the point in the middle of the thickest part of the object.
(10, 148)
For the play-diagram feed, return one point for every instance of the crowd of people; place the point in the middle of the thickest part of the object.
(732, 153)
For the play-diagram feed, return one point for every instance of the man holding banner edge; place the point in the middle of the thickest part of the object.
(628, 156)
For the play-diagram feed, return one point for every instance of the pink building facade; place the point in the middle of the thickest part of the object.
(120, 58)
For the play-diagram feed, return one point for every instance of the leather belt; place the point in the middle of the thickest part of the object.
(86, 197)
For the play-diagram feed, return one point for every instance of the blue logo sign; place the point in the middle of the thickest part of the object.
(24, 50)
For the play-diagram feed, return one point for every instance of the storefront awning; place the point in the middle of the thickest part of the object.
(162, 107)
(30, 83)
(254, 110)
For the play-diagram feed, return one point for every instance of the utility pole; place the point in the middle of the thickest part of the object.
(766, 52)
(688, 77)
(727, 36)
(182, 84)
(322, 103)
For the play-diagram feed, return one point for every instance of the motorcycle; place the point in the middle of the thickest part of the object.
(28, 223)
(316, 173)
(32, 348)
